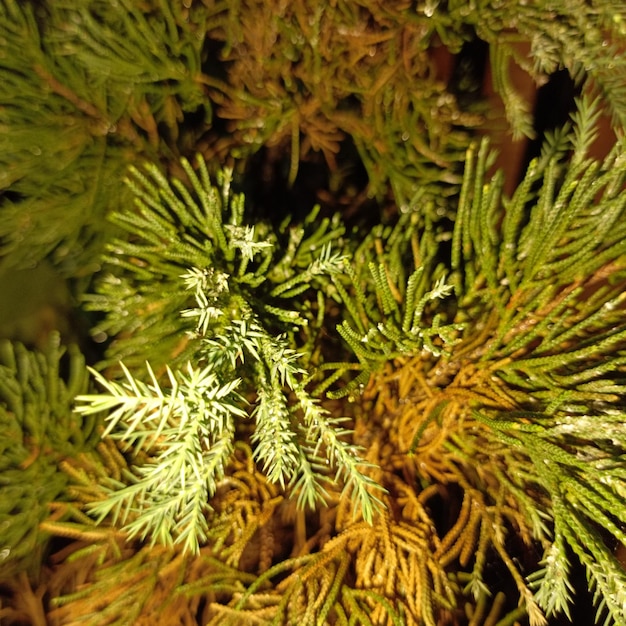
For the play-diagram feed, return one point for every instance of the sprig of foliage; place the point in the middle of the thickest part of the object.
(280, 429)
(37, 431)
(401, 332)
(88, 87)
(238, 288)
(173, 234)
(523, 414)
(585, 491)
(187, 432)
(388, 308)
(549, 264)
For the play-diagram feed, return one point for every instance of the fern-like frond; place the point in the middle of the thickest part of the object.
(199, 277)
(386, 558)
(388, 322)
(520, 408)
(198, 231)
(550, 262)
(187, 432)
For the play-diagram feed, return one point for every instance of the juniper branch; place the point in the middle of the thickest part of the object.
(182, 261)
(558, 345)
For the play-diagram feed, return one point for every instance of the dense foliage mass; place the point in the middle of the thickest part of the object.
(339, 375)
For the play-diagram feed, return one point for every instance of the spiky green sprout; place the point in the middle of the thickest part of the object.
(249, 300)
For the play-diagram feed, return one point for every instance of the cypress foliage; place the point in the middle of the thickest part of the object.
(311, 415)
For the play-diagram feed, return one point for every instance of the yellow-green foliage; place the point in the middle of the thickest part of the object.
(415, 423)
(37, 431)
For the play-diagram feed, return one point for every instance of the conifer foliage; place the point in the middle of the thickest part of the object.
(182, 251)
(411, 418)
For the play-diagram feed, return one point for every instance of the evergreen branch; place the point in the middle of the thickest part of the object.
(187, 432)
(378, 334)
(554, 591)
(277, 439)
(200, 233)
(38, 431)
(539, 281)
(326, 264)
(585, 124)
(585, 490)
(107, 85)
(566, 238)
